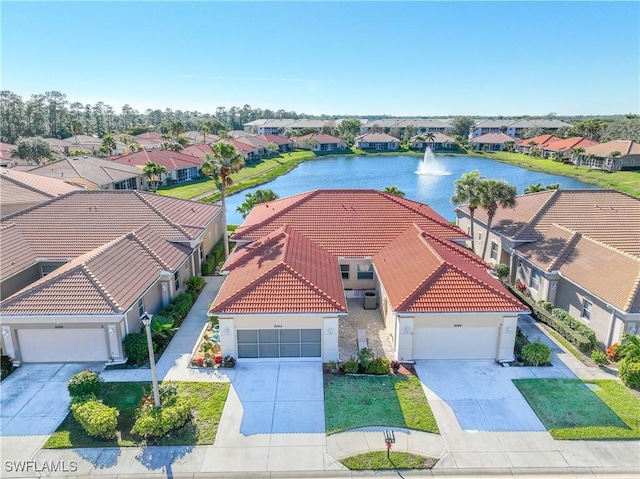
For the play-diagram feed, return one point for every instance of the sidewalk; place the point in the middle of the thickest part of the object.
(174, 362)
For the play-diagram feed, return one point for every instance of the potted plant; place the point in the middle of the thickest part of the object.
(395, 365)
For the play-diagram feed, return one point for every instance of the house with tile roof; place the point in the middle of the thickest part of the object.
(301, 259)
(93, 173)
(20, 190)
(319, 142)
(285, 145)
(577, 249)
(566, 147)
(525, 146)
(599, 156)
(376, 141)
(79, 270)
(195, 137)
(180, 166)
(440, 142)
(491, 141)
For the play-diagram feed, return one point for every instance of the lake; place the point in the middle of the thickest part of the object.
(377, 172)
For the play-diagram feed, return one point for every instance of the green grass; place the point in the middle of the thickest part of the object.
(570, 410)
(189, 190)
(206, 401)
(625, 181)
(376, 460)
(567, 345)
(359, 401)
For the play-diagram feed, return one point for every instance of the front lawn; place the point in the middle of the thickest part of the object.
(569, 409)
(371, 461)
(205, 399)
(359, 401)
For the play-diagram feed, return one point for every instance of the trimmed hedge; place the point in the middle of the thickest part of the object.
(96, 419)
(135, 347)
(158, 421)
(630, 373)
(576, 325)
(84, 383)
(536, 354)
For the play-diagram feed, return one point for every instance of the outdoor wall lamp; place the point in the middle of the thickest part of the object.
(330, 331)
(407, 329)
(225, 330)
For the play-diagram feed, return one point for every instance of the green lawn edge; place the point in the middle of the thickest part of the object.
(206, 400)
(377, 460)
(621, 402)
(352, 402)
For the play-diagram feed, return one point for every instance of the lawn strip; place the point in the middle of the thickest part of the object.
(377, 460)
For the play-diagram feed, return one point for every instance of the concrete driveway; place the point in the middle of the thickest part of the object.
(481, 394)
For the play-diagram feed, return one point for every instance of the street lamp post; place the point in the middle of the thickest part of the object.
(146, 320)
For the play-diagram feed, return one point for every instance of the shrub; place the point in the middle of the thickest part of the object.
(84, 383)
(576, 325)
(630, 373)
(365, 356)
(598, 357)
(135, 347)
(179, 307)
(209, 266)
(546, 305)
(158, 421)
(83, 399)
(536, 354)
(228, 362)
(195, 283)
(612, 352)
(7, 366)
(96, 419)
(502, 270)
(378, 366)
(351, 366)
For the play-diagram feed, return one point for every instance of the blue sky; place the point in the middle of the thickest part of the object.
(415, 58)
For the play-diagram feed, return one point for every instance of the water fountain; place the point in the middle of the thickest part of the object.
(430, 166)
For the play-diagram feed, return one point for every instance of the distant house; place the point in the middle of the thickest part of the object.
(78, 144)
(20, 190)
(376, 141)
(284, 144)
(260, 145)
(238, 133)
(440, 141)
(269, 126)
(319, 142)
(565, 146)
(515, 128)
(180, 166)
(195, 137)
(93, 173)
(525, 146)
(629, 158)
(577, 249)
(491, 141)
(248, 151)
(484, 127)
(151, 140)
(8, 161)
(420, 125)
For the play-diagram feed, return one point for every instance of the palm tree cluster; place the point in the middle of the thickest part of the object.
(488, 194)
(154, 172)
(252, 199)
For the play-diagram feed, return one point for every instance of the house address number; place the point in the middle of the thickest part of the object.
(457, 325)
(277, 325)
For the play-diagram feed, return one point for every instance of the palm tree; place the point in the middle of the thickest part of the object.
(153, 172)
(531, 144)
(575, 153)
(591, 157)
(535, 188)
(466, 190)
(494, 194)
(76, 128)
(558, 156)
(613, 155)
(176, 128)
(394, 190)
(430, 137)
(224, 161)
(108, 144)
(205, 130)
(260, 196)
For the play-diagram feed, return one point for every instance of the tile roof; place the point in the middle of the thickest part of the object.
(16, 253)
(80, 221)
(606, 272)
(350, 223)
(321, 138)
(97, 171)
(196, 137)
(542, 140)
(492, 138)
(539, 123)
(48, 187)
(423, 273)
(625, 147)
(284, 272)
(106, 280)
(254, 141)
(489, 123)
(278, 140)
(567, 144)
(437, 138)
(199, 150)
(171, 160)
(376, 138)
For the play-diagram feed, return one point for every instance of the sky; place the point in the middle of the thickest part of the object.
(419, 58)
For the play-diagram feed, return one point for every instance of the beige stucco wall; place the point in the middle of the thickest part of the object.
(15, 283)
(353, 282)
(211, 235)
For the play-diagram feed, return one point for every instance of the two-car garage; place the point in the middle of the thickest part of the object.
(63, 345)
(279, 343)
(456, 343)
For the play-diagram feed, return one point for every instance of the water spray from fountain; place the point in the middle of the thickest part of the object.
(430, 166)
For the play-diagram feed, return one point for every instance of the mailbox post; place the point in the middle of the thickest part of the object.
(389, 438)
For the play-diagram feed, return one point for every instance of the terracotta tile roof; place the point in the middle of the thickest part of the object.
(97, 171)
(106, 280)
(16, 252)
(423, 273)
(278, 140)
(21, 187)
(569, 143)
(284, 272)
(241, 147)
(72, 224)
(321, 138)
(625, 147)
(542, 140)
(492, 138)
(199, 150)
(171, 160)
(350, 223)
(606, 272)
(196, 137)
(254, 141)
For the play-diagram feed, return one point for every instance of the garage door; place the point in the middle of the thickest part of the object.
(279, 343)
(62, 345)
(455, 343)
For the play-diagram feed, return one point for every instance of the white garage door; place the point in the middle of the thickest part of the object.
(62, 345)
(279, 343)
(455, 343)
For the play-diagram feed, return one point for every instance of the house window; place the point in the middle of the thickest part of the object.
(365, 272)
(176, 280)
(344, 270)
(494, 251)
(534, 281)
(586, 309)
(140, 308)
